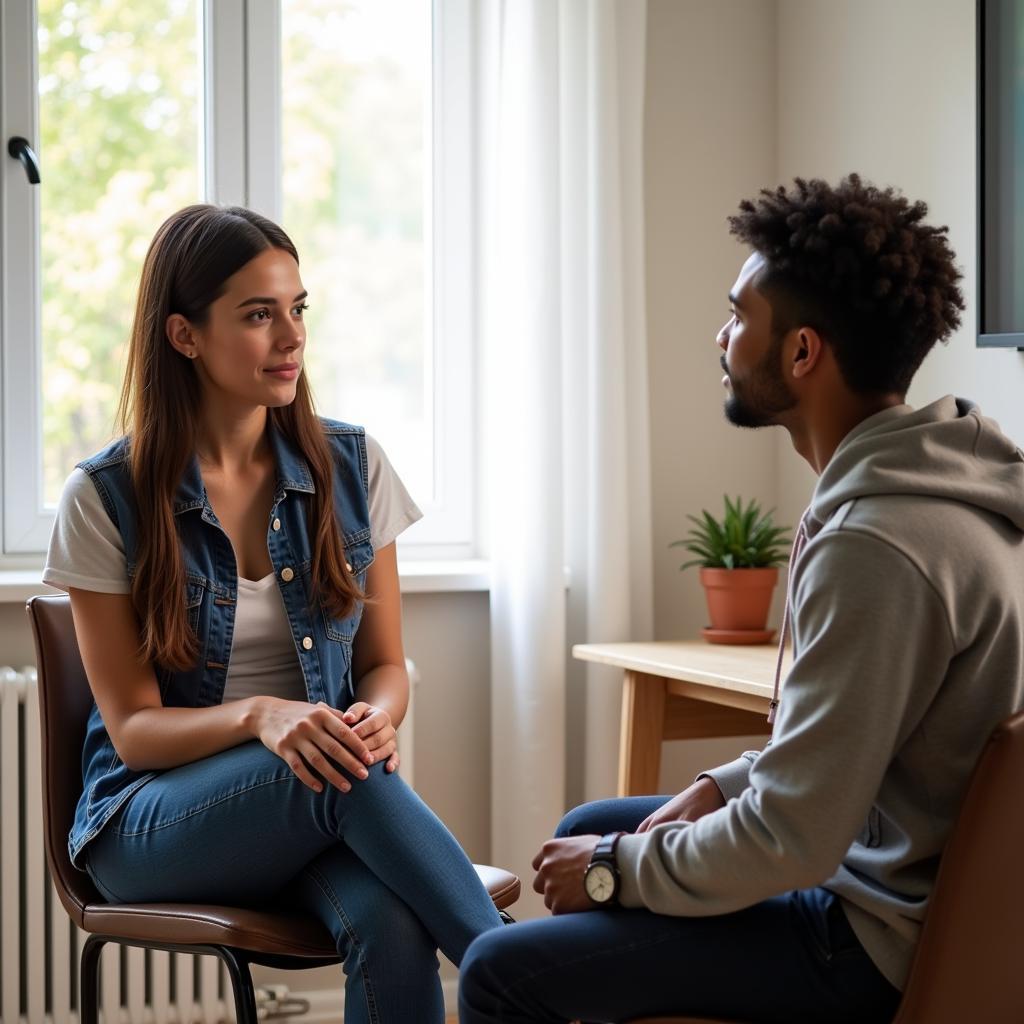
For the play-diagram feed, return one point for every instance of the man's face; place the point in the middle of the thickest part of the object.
(752, 355)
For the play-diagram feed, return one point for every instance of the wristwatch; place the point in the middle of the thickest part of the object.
(601, 879)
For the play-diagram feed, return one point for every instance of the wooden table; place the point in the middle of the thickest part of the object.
(684, 690)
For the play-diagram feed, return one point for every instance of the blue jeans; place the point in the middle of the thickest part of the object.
(790, 959)
(374, 864)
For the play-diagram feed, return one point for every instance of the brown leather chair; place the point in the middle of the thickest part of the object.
(237, 936)
(968, 965)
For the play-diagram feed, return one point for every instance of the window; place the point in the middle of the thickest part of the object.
(347, 123)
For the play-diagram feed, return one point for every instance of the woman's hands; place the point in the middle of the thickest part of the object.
(311, 739)
(374, 728)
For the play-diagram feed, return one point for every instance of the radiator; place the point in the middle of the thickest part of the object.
(40, 946)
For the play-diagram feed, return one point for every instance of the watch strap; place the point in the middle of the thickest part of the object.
(605, 849)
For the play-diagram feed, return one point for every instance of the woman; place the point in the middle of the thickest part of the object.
(232, 572)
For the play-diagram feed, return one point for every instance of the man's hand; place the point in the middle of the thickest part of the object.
(560, 866)
(694, 802)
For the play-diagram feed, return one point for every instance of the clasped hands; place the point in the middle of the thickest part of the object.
(561, 863)
(315, 739)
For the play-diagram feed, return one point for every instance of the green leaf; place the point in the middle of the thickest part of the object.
(742, 537)
(715, 532)
(705, 553)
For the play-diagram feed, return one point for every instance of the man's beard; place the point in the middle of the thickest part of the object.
(765, 393)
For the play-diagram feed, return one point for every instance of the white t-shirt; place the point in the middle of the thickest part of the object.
(86, 552)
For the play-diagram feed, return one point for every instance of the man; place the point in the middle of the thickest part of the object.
(790, 885)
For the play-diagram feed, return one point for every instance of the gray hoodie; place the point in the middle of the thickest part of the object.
(908, 631)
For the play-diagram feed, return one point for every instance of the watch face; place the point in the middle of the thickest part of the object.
(599, 882)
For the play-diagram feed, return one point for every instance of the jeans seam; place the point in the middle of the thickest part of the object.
(321, 882)
(213, 802)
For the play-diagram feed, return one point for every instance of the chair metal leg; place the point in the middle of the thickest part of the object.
(89, 986)
(241, 984)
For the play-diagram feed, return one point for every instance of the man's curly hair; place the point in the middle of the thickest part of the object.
(860, 266)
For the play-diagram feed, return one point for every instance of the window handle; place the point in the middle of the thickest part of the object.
(21, 150)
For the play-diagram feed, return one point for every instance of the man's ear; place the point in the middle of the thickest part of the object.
(807, 350)
(179, 334)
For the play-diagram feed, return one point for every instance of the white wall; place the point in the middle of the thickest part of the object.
(15, 639)
(710, 141)
(447, 635)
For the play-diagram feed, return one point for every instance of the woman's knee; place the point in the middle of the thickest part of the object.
(338, 804)
(378, 785)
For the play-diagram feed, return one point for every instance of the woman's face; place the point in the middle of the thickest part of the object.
(250, 348)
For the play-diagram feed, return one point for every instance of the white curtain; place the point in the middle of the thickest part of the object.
(565, 408)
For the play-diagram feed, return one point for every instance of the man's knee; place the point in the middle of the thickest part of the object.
(510, 974)
(583, 820)
(569, 824)
(480, 979)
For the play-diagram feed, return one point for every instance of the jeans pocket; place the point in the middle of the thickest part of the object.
(825, 924)
(842, 939)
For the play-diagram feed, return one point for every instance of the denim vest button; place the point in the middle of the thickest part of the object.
(276, 525)
(307, 642)
(287, 574)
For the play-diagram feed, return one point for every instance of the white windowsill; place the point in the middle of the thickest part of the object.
(21, 584)
(433, 577)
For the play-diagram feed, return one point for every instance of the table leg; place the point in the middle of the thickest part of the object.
(643, 719)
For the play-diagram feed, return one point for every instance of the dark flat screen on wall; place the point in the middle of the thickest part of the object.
(1001, 173)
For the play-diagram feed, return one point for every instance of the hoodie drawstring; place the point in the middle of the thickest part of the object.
(798, 545)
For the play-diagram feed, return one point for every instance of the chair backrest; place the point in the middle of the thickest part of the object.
(969, 964)
(65, 701)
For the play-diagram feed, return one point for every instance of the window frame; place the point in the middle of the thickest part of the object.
(26, 526)
(241, 109)
(453, 527)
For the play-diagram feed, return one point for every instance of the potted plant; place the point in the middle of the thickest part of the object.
(739, 557)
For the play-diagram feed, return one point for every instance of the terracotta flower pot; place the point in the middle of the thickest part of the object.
(739, 598)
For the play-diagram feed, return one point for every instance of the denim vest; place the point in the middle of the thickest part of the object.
(323, 645)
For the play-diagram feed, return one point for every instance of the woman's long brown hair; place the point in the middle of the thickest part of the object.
(189, 261)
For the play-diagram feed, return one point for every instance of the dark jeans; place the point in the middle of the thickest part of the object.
(792, 958)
